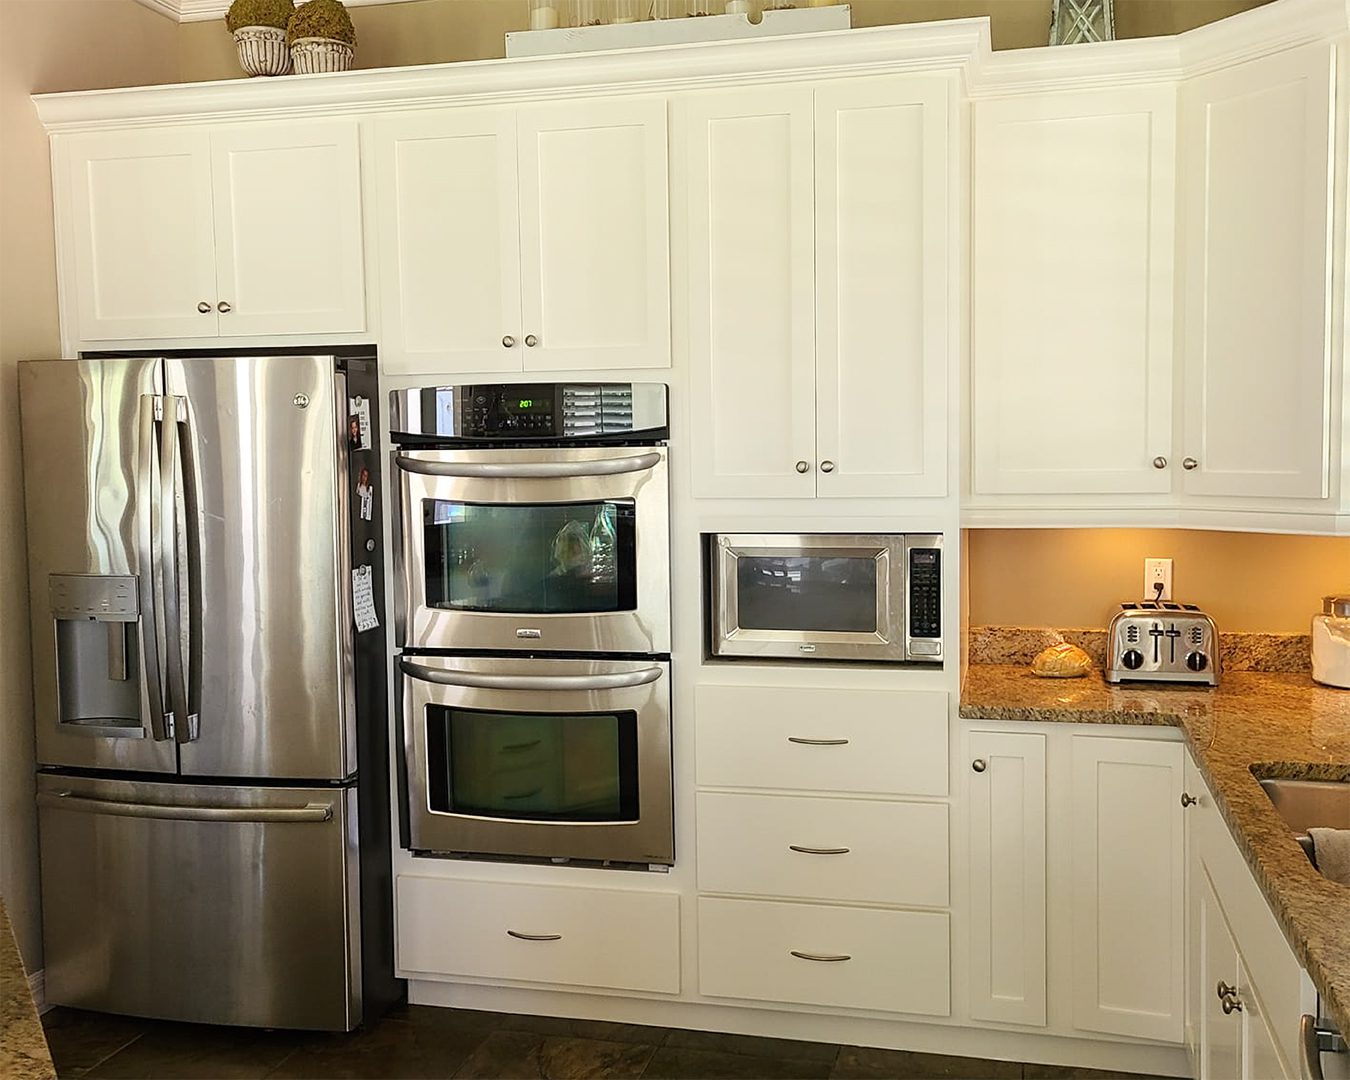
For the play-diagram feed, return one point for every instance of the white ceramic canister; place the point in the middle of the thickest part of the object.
(1331, 642)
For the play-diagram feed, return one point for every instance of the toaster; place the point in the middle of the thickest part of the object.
(1161, 641)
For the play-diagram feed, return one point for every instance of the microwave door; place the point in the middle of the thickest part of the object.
(92, 442)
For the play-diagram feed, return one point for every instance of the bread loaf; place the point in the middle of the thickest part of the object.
(1062, 661)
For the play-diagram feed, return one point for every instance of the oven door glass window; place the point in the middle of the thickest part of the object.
(531, 559)
(577, 767)
(809, 593)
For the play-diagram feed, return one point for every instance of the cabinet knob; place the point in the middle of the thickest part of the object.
(531, 341)
(1160, 462)
(803, 466)
(204, 307)
(979, 764)
(827, 466)
(224, 307)
(1228, 997)
(1189, 463)
(1187, 799)
(508, 342)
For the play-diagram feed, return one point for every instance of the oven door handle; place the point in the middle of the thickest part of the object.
(480, 681)
(529, 470)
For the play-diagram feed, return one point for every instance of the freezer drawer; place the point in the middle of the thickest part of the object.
(227, 905)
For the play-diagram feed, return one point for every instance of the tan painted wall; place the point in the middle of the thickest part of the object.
(1076, 577)
(44, 45)
(442, 31)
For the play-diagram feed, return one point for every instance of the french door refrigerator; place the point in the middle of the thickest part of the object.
(204, 564)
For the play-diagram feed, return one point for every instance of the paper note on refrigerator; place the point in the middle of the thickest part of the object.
(363, 599)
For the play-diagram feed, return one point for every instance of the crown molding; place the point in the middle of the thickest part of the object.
(204, 10)
(1075, 67)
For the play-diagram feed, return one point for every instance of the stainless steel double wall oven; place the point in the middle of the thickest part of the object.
(534, 620)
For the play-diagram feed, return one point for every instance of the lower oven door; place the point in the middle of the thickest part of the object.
(559, 759)
(565, 549)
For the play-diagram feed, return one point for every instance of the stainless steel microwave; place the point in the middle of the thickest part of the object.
(825, 596)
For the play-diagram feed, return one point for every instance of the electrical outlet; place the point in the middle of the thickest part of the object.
(1157, 572)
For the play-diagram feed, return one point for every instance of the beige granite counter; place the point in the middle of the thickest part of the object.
(1267, 724)
(23, 1046)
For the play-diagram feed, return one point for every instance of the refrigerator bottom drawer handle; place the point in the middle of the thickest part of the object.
(262, 815)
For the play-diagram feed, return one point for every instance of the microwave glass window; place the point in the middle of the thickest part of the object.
(807, 593)
(577, 767)
(531, 559)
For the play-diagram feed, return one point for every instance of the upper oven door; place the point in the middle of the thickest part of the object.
(816, 596)
(558, 549)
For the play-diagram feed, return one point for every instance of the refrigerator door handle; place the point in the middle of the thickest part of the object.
(168, 543)
(148, 559)
(65, 800)
(184, 671)
(618, 681)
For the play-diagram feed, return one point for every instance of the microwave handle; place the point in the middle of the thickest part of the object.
(538, 470)
(529, 682)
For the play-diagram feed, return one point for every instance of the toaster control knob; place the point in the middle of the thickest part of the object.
(1133, 659)
(1197, 661)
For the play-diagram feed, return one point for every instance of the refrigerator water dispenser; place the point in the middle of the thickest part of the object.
(97, 656)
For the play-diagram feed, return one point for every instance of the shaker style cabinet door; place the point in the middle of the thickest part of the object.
(748, 178)
(1220, 1033)
(1258, 186)
(138, 230)
(1007, 877)
(449, 242)
(1073, 252)
(288, 228)
(881, 238)
(1127, 855)
(594, 234)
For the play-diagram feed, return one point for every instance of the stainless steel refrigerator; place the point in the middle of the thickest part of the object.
(211, 723)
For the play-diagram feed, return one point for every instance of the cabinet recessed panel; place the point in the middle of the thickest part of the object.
(1072, 340)
(881, 241)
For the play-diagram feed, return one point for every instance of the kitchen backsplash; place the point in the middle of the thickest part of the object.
(1239, 651)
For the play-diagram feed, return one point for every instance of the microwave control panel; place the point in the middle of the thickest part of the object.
(924, 578)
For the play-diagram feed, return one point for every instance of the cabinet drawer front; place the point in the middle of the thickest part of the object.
(883, 742)
(898, 961)
(886, 853)
(624, 940)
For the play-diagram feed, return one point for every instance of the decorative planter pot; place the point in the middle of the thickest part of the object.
(262, 50)
(311, 55)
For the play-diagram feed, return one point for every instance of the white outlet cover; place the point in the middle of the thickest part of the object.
(1155, 571)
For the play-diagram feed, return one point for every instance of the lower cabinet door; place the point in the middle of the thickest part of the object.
(1261, 1057)
(853, 958)
(503, 931)
(1220, 1032)
(1127, 855)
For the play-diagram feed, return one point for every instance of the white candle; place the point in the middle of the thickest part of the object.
(738, 7)
(544, 18)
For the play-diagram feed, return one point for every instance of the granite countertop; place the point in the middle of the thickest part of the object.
(1262, 723)
(23, 1046)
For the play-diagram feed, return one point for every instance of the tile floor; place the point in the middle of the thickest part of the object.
(416, 1042)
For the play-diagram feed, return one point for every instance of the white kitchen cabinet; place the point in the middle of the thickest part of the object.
(1220, 1033)
(449, 240)
(1127, 854)
(1258, 346)
(533, 238)
(1072, 279)
(1007, 800)
(214, 232)
(817, 227)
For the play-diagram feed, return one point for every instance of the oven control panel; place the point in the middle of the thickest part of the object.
(539, 413)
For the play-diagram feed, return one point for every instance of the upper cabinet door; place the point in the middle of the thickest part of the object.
(882, 229)
(751, 290)
(1258, 344)
(1073, 245)
(449, 241)
(139, 230)
(288, 228)
(595, 234)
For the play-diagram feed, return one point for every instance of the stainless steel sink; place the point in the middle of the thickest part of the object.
(1310, 804)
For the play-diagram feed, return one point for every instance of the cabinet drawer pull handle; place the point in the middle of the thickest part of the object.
(1228, 997)
(204, 307)
(817, 742)
(1189, 463)
(1160, 462)
(827, 466)
(508, 342)
(531, 341)
(521, 935)
(224, 307)
(803, 466)
(820, 958)
(818, 850)
(1187, 799)
(979, 764)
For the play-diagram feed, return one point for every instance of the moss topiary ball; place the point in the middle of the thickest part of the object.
(321, 19)
(259, 13)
